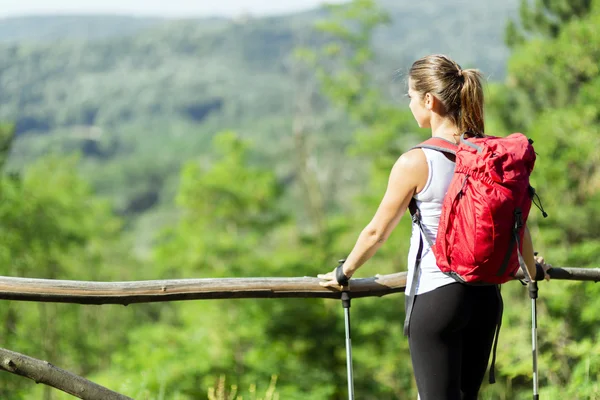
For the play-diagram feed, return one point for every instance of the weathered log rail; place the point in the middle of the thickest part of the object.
(84, 292)
(48, 374)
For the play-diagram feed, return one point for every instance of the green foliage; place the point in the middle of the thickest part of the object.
(54, 227)
(344, 68)
(551, 94)
(220, 392)
(230, 226)
(347, 57)
(137, 95)
(285, 195)
(550, 74)
(228, 211)
(545, 19)
(7, 135)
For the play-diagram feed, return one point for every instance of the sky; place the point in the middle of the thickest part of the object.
(163, 8)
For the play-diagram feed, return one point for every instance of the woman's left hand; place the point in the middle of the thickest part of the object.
(540, 261)
(329, 280)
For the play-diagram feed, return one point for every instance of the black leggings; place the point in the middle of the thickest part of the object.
(450, 338)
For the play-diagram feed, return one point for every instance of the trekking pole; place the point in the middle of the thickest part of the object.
(533, 294)
(346, 305)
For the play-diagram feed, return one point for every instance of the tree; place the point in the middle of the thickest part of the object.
(544, 18)
(550, 93)
(344, 67)
(54, 227)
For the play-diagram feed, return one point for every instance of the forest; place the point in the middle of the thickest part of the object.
(260, 147)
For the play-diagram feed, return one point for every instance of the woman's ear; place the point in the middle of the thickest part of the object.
(429, 100)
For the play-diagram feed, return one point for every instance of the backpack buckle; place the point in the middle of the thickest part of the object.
(416, 217)
(518, 218)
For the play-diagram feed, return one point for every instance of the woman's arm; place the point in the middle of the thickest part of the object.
(528, 253)
(407, 177)
(531, 259)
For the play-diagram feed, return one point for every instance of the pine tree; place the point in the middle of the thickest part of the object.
(544, 18)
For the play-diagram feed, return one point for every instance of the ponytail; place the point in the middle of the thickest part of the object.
(471, 103)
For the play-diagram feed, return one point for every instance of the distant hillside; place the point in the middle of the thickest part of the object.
(73, 27)
(470, 31)
(140, 96)
(178, 70)
(190, 68)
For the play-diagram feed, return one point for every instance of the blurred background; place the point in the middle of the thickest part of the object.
(148, 140)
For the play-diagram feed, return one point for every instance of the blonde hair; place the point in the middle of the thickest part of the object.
(460, 91)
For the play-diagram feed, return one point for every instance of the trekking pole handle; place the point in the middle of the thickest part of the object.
(533, 290)
(346, 299)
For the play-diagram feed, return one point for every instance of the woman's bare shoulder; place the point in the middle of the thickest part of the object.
(413, 160)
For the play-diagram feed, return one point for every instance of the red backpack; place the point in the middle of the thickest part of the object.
(480, 234)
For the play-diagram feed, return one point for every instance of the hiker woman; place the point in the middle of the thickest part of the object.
(445, 313)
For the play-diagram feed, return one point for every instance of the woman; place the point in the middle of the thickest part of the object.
(449, 101)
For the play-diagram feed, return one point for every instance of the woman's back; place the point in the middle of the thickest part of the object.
(429, 201)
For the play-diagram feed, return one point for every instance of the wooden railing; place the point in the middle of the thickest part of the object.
(83, 292)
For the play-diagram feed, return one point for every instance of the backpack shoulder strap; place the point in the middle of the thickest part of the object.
(433, 143)
(439, 144)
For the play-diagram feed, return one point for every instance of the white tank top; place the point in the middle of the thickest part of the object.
(429, 201)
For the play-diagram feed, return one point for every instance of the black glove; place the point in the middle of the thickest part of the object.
(339, 273)
(540, 274)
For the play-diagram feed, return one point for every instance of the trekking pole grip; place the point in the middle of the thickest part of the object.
(533, 290)
(345, 299)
